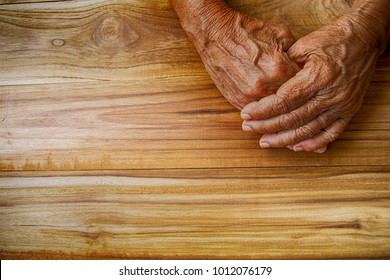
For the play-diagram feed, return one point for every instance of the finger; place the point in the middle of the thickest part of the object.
(285, 37)
(280, 32)
(290, 120)
(293, 136)
(326, 136)
(291, 95)
(301, 50)
(321, 150)
(290, 147)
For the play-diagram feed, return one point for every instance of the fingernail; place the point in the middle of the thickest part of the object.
(247, 128)
(245, 116)
(322, 150)
(298, 148)
(290, 147)
(265, 145)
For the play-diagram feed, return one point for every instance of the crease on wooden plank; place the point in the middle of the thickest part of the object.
(89, 181)
(278, 172)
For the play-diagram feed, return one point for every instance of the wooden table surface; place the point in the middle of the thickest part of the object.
(114, 143)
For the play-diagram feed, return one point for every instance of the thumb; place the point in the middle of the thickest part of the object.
(299, 52)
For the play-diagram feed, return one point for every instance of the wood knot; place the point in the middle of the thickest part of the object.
(58, 42)
(113, 32)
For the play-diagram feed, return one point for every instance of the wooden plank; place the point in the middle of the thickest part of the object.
(114, 143)
(2, 2)
(304, 172)
(126, 126)
(332, 216)
(111, 40)
(93, 41)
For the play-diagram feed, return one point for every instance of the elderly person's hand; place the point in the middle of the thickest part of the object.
(245, 57)
(313, 108)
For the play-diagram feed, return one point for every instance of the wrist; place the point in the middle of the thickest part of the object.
(204, 20)
(370, 21)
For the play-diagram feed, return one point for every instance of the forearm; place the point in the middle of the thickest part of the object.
(373, 19)
(203, 19)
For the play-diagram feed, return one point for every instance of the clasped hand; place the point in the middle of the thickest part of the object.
(299, 95)
(314, 107)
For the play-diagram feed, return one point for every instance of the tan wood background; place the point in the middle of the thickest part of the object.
(114, 143)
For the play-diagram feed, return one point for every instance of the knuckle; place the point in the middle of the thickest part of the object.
(249, 93)
(296, 119)
(281, 105)
(290, 120)
(305, 132)
(259, 127)
(256, 110)
(298, 48)
(331, 136)
(314, 108)
(330, 70)
(352, 108)
(283, 121)
(326, 118)
(283, 32)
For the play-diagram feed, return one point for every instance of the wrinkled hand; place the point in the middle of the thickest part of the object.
(313, 108)
(245, 57)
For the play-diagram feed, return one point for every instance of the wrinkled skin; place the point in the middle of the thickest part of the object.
(312, 109)
(247, 61)
(245, 57)
(251, 62)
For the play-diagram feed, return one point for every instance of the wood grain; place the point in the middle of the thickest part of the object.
(114, 143)
(232, 215)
